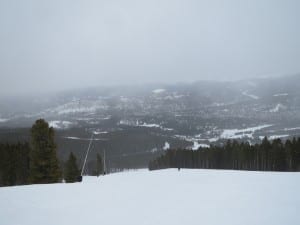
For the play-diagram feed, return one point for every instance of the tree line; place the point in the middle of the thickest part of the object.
(14, 164)
(267, 156)
(36, 162)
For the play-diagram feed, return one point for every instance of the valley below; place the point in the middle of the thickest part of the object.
(135, 124)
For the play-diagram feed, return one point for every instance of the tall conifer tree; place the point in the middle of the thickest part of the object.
(44, 167)
(72, 172)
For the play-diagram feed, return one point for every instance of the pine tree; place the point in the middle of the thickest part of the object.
(44, 166)
(72, 172)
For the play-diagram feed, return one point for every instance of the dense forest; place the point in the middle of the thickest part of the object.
(36, 162)
(14, 164)
(15, 169)
(267, 156)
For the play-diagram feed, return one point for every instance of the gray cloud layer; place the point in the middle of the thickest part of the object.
(52, 45)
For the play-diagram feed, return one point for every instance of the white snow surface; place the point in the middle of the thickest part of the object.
(196, 139)
(140, 124)
(193, 197)
(292, 128)
(158, 91)
(153, 125)
(214, 139)
(236, 133)
(272, 137)
(57, 124)
(240, 133)
(100, 132)
(166, 146)
(197, 145)
(149, 125)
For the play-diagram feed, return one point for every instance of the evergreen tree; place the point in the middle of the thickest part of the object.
(72, 172)
(44, 166)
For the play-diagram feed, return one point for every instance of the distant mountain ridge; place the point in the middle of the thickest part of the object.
(145, 119)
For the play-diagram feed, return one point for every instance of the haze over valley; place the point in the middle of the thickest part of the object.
(141, 121)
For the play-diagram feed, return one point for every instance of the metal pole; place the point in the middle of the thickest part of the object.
(104, 163)
(86, 155)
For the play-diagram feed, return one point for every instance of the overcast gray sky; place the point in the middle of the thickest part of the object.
(58, 44)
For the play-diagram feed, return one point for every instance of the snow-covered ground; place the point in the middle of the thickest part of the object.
(292, 128)
(166, 146)
(143, 124)
(240, 133)
(216, 134)
(57, 124)
(273, 137)
(209, 197)
(197, 145)
(153, 125)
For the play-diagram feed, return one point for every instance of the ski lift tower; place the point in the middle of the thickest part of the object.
(104, 163)
(86, 156)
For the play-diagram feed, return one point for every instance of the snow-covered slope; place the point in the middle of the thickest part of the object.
(160, 197)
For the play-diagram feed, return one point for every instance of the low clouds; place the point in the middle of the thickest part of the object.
(54, 45)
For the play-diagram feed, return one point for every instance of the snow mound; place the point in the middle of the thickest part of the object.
(193, 197)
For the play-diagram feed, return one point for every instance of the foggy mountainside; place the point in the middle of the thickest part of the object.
(156, 112)
(134, 124)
